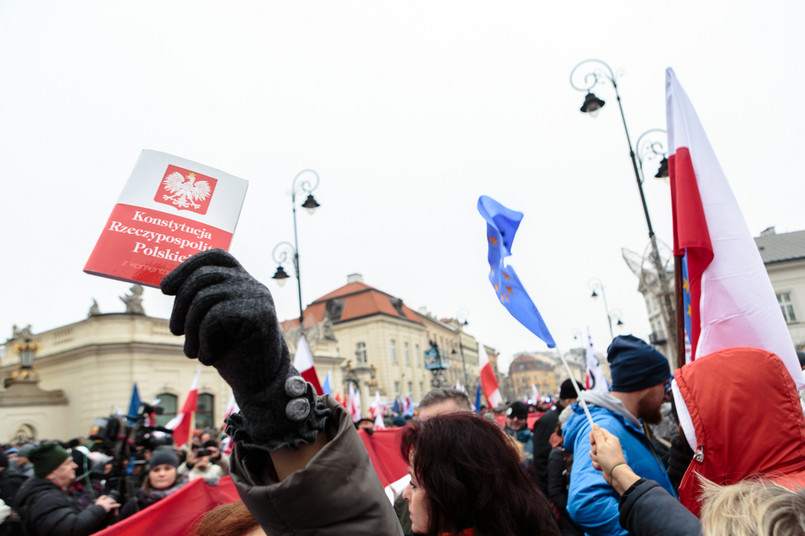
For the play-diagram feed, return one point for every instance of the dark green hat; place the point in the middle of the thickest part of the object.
(46, 458)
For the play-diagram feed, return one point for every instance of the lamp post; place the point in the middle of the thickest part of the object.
(461, 322)
(592, 104)
(597, 288)
(284, 249)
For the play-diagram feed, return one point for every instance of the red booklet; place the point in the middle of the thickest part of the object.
(170, 209)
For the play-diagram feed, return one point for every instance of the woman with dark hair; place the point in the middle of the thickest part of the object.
(161, 480)
(467, 479)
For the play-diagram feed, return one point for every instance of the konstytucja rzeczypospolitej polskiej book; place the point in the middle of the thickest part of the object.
(170, 209)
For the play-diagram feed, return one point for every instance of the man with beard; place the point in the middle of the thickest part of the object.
(640, 375)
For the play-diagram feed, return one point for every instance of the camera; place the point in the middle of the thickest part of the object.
(203, 452)
(114, 495)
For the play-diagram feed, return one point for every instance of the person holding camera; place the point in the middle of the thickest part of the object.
(44, 506)
(200, 463)
(162, 480)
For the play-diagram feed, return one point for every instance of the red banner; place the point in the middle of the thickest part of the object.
(176, 514)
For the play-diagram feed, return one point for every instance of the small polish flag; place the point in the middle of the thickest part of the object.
(489, 384)
(182, 422)
(303, 362)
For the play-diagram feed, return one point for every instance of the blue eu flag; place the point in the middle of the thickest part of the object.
(501, 226)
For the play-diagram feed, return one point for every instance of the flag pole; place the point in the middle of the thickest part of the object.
(680, 312)
(575, 387)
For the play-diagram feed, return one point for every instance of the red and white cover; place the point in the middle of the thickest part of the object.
(170, 209)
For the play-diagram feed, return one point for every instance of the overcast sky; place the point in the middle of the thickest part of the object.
(408, 111)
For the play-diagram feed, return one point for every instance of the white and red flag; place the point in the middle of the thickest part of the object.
(594, 380)
(354, 403)
(534, 394)
(732, 300)
(377, 411)
(303, 362)
(182, 422)
(489, 384)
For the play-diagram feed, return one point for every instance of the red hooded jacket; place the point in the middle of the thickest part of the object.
(748, 421)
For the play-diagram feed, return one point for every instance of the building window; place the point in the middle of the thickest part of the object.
(397, 388)
(205, 414)
(784, 299)
(421, 390)
(416, 353)
(168, 403)
(411, 388)
(393, 351)
(360, 353)
(407, 354)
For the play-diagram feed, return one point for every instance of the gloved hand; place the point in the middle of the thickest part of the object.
(229, 322)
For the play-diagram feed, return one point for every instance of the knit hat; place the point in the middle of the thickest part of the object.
(25, 450)
(46, 458)
(635, 365)
(517, 409)
(566, 389)
(164, 455)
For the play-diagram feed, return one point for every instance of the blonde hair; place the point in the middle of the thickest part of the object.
(752, 508)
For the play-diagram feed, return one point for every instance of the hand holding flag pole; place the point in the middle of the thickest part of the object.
(501, 226)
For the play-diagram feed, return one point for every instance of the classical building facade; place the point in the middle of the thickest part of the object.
(85, 370)
(94, 364)
(784, 257)
(373, 340)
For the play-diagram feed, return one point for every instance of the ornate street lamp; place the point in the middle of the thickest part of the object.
(285, 250)
(600, 73)
(597, 288)
(650, 147)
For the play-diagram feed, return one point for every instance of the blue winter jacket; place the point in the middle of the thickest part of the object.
(592, 503)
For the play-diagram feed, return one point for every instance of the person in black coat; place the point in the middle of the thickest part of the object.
(544, 427)
(45, 508)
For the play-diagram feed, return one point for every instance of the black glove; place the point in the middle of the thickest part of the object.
(229, 322)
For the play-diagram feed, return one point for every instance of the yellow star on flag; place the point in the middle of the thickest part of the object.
(493, 240)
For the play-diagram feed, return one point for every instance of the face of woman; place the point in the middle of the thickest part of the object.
(417, 503)
(162, 476)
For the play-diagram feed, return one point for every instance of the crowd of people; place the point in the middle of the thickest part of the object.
(82, 486)
(597, 463)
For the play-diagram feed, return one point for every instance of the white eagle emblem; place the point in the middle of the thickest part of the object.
(185, 190)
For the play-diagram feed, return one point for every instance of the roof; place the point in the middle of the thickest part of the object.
(353, 301)
(781, 247)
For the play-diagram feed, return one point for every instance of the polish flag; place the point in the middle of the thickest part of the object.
(594, 379)
(303, 362)
(354, 404)
(489, 384)
(732, 300)
(181, 423)
(378, 411)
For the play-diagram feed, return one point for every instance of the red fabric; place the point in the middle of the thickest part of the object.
(691, 235)
(310, 376)
(384, 451)
(176, 514)
(747, 418)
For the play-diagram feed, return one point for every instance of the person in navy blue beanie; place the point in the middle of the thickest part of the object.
(640, 375)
